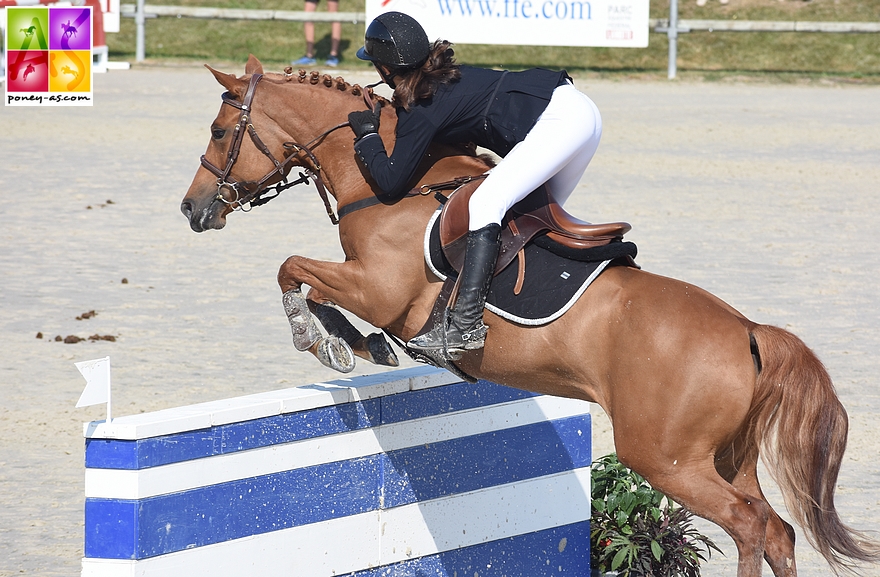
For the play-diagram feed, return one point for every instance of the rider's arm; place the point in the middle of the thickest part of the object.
(394, 173)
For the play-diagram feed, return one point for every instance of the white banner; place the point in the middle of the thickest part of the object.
(621, 23)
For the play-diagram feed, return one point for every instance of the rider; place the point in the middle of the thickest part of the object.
(543, 127)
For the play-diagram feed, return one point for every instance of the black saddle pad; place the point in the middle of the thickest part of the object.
(555, 276)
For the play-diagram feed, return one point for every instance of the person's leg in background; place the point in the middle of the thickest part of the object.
(309, 31)
(335, 36)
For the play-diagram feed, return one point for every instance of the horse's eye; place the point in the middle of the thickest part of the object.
(218, 133)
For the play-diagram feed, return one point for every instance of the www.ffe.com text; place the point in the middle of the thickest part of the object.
(543, 9)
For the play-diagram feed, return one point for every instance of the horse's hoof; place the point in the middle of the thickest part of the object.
(302, 326)
(380, 351)
(335, 353)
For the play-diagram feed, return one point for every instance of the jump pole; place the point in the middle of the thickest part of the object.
(410, 472)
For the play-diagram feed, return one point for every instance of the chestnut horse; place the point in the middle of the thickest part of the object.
(693, 388)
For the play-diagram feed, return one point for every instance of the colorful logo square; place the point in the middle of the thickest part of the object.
(70, 29)
(27, 28)
(69, 71)
(28, 71)
(48, 56)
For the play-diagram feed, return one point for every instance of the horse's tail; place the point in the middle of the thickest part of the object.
(801, 428)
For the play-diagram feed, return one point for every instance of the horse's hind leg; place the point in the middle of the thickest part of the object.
(780, 536)
(697, 486)
(373, 347)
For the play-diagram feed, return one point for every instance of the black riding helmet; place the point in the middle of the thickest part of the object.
(396, 40)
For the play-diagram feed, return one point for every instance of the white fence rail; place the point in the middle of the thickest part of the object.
(141, 11)
(661, 24)
(153, 10)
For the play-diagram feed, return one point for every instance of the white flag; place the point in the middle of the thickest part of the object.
(97, 374)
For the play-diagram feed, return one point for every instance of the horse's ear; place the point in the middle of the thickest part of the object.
(253, 65)
(228, 81)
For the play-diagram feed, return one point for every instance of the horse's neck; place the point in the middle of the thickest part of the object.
(307, 111)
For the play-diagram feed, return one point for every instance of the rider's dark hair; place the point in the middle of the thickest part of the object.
(420, 83)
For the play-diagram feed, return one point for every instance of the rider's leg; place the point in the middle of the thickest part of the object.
(465, 329)
(557, 150)
(563, 183)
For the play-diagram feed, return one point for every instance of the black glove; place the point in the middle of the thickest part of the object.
(364, 122)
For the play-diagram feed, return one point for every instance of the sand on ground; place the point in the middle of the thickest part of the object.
(764, 194)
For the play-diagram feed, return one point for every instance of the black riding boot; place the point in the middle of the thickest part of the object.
(465, 329)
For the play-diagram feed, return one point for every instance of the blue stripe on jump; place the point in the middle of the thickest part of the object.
(110, 526)
(234, 437)
(231, 438)
(469, 463)
(124, 529)
(561, 550)
(217, 513)
(447, 399)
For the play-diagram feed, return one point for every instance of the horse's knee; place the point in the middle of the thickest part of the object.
(288, 273)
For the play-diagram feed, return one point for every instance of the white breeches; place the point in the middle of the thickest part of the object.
(557, 150)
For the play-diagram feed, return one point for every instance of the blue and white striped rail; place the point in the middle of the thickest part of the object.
(405, 473)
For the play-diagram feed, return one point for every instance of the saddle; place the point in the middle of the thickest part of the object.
(558, 240)
(536, 214)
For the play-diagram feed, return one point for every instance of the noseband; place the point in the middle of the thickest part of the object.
(259, 192)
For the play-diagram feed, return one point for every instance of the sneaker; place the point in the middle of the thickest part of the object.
(332, 62)
(304, 61)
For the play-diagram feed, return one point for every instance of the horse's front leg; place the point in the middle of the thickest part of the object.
(373, 347)
(332, 351)
(340, 282)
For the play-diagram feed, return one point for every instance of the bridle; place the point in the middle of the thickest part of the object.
(246, 195)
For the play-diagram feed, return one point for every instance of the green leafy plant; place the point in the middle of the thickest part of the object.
(637, 531)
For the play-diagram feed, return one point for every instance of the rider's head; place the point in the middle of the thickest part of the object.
(411, 65)
(395, 43)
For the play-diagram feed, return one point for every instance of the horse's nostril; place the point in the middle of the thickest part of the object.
(186, 208)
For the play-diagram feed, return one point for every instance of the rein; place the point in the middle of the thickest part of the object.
(259, 193)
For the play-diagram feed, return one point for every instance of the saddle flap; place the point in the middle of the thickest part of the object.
(535, 214)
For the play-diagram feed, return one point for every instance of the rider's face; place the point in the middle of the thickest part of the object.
(386, 74)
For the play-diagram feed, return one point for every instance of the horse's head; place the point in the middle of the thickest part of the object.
(212, 194)
(266, 126)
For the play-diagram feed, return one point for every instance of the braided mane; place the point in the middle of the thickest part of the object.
(315, 78)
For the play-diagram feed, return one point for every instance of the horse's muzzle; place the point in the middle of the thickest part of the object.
(209, 217)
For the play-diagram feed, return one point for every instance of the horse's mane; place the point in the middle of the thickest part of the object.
(316, 78)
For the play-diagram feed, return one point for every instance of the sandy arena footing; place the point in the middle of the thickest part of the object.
(764, 194)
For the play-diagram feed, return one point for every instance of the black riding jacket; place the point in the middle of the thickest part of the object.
(490, 108)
